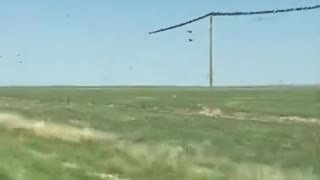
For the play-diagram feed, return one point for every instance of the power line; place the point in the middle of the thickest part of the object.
(276, 11)
(212, 14)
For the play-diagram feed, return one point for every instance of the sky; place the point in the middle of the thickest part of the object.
(106, 42)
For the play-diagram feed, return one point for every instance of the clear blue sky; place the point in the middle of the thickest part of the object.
(105, 42)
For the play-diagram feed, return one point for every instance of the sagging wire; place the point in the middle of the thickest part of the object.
(277, 11)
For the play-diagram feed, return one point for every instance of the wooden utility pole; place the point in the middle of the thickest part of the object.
(211, 53)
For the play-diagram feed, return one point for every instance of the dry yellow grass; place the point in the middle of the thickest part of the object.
(53, 130)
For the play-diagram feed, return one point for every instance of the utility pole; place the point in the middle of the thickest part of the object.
(211, 53)
(216, 14)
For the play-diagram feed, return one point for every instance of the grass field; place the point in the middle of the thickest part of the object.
(69, 133)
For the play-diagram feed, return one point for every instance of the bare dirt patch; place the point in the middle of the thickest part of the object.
(69, 165)
(146, 97)
(8, 98)
(79, 123)
(110, 106)
(217, 112)
(211, 112)
(42, 155)
(106, 176)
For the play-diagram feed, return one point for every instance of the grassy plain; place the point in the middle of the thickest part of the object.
(159, 133)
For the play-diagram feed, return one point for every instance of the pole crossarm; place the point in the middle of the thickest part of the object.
(277, 11)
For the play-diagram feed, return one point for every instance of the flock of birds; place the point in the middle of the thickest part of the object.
(190, 32)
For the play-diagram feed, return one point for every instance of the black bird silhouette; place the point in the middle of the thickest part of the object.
(190, 40)
(189, 31)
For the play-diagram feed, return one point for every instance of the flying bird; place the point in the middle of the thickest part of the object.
(189, 31)
(190, 40)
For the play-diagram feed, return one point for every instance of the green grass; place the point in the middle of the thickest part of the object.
(161, 135)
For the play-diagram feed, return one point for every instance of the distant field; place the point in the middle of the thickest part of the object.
(122, 133)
